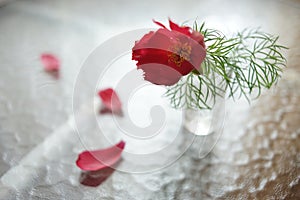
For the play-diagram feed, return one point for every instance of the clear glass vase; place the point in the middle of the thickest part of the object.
(205, 126)
(203, 121)
(198, 122)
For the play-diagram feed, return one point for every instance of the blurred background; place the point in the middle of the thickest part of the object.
(257, 156)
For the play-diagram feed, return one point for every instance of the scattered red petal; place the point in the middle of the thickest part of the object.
(100, 159)
(110, 101)
(51, 62)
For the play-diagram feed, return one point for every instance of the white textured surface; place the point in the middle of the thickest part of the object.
(257, 156)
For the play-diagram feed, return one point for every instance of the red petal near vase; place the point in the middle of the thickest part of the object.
(51, 62)
(110, 100)
(100, 159)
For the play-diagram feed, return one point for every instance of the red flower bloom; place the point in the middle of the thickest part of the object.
(100, 159)
(110, 101)
(51, 63)
(167, 55)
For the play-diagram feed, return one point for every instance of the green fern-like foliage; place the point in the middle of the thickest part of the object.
(241, 66)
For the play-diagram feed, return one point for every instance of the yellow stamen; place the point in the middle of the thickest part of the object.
(179, 53)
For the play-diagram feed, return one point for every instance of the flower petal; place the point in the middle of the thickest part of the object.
(100, 159)
(50, 62)
(182, 29)
(199, 38)
(139, 44)
(110, 100)
(159, 24)
(160, 74)
(160, 40)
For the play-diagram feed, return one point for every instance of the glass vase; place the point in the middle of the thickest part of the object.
(205, 127)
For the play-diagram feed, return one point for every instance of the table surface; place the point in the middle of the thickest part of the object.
(256, 157)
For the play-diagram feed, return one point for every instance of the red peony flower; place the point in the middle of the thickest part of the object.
(167, 55)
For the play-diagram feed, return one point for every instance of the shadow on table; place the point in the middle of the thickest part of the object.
(95, 178)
